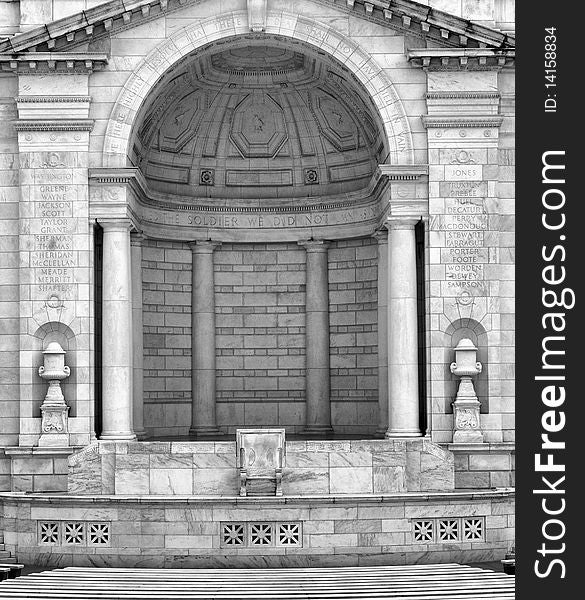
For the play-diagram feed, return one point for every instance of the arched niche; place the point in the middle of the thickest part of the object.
(473, 330)
(54, 331)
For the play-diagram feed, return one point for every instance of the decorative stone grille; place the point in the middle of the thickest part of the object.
(233, 534)
(289, 534)
(73, 533)
(98, 534)
(473, 529)
(424, 531)
(265, 534)
(48, 533)
(456, 529)
(448, 530)
(261, 534)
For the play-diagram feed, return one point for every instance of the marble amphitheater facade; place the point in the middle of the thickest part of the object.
(257, 214)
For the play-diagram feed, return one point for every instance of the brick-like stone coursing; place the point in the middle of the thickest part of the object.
(353, 334)
(260, 334)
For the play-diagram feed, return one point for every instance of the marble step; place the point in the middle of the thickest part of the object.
(11, 569)
(417, 582)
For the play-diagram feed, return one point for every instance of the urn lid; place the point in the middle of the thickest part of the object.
(465, 344)
(54, 348)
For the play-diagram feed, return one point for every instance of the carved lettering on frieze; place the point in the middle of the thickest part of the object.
(260, 220)
(464, 206)
(464, 272)
(463, 172)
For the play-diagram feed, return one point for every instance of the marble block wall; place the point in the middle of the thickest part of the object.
(177, 532)
(9, 259)
(353, 334)
(485, 466)
(312, 468)
(166, 293)
(260, 335)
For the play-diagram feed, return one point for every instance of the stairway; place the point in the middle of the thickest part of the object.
(5, 556)
(414, 582)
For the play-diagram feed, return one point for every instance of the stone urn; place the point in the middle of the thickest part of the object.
(54, 410)
(466, 406)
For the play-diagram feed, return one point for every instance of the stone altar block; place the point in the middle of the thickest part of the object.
(261, 455)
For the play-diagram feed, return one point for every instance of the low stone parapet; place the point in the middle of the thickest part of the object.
(334, 467)
(155, 531)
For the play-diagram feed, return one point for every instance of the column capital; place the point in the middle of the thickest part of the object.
(115, 224)
(314, 245)
(136, 238)
(381, 235)
(203, 246)
(401, 222)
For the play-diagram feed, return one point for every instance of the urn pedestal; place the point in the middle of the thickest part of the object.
(467, 428)
(54, 410)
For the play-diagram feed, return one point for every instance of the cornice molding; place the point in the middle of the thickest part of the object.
(52, 99)
(57, 125)
(133, 177)
(461, 121)
(54, 62)
(462, 59)
(460, 95)
(403, 172)
(117, 15)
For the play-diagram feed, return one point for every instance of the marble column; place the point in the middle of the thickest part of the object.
(203, 413)
(116, 332)
(318, 407)
(137, 336)
(382, 237)
(403, 400)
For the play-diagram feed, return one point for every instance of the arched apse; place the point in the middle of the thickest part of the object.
(193, 38)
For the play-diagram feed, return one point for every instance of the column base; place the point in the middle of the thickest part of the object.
(141, 434)
(120, 436)
(204, 431)
(403, 433)
(318, 430)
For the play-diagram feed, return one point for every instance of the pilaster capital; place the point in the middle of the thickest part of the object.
(136, 238)
(203, 246)
(115, 224)
(314, 245)
(401, 222)
(381, 235)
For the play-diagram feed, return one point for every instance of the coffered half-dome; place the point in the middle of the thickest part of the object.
(258, 117)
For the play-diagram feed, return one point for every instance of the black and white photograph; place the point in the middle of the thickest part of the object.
(258, 300)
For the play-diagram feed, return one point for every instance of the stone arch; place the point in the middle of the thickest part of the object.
(54, 331)
(475, 331)
(197, 35)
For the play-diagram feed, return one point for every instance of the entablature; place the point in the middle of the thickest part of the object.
(394, 189)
